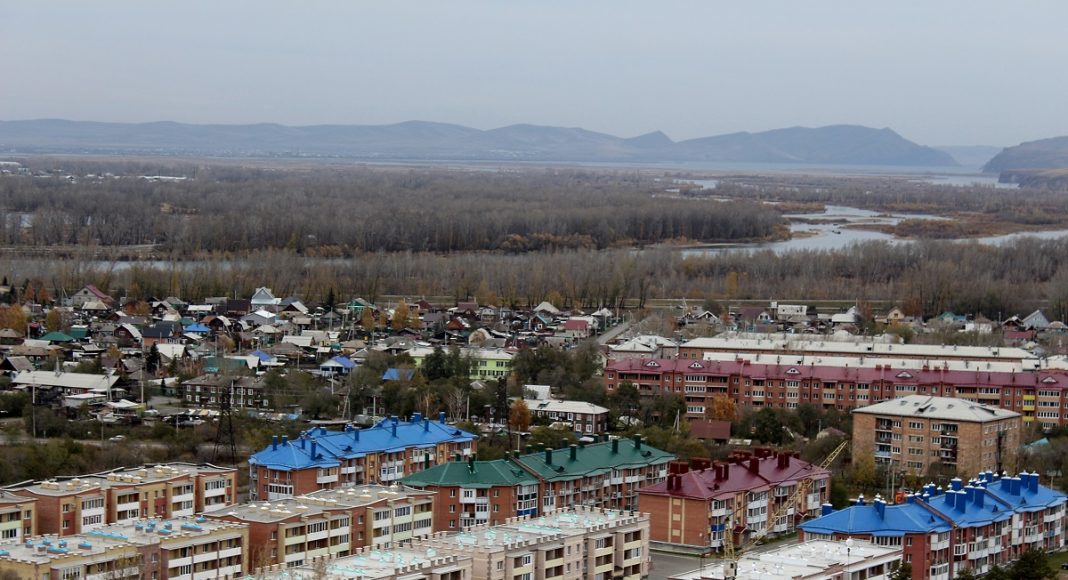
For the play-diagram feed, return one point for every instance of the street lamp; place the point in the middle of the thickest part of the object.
(849, 549)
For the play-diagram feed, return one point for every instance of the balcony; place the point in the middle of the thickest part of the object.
(328, 478)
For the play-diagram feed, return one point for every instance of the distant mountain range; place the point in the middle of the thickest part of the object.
(426, 141)
(1043, 154)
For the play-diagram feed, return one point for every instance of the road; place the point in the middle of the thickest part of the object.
(611, 334)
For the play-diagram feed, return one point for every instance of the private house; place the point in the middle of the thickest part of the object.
(90, 293)
(263, 298)
(585, 418)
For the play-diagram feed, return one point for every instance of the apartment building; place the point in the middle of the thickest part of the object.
(1039, 395)
(700, 503)
(178, 549)
(585, 418)
(572, 543)
(389, 562)
(990, 521)
(785, 345)
(331, 523)
(321, 459)
(470, 493)
(814, 560)
(916, 432)
(74, 505)
(18, 516)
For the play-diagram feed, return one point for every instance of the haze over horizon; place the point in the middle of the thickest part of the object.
(948, 73)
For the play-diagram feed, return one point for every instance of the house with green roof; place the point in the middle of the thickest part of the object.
(606, 474)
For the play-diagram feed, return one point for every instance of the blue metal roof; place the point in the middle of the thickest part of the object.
(390, 435)
(198, 327)
(398, 375)
(1022, 493)
(343, 362)
(983, 501)
(887, 521)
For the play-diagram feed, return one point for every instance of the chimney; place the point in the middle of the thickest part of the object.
(426, 460)
(356, 434)
(1014, 485)
(860, 500)
(274, 443)
(426, 425)
(395, 419)
(303, 443)
(416, 417)
(548, 456)
(441, 417)
(615, 446)
(826, 509)
(880, 507)
(979, 497)
(471, 464)
(962, 501)
(951, 498)
(285, 440)
(1032, 483)
(783, 460)
(955, 483)
(574, 452)
(754, 465)
(637, 442)
(1006, 484)
(394, 429)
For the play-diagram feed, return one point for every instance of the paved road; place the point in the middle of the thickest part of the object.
(610, 334)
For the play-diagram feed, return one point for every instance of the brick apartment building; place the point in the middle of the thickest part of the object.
(916, 432)
(18, 516)
(784, 345)
(80, 504)
(702, 502)
(604, 475)
(179, 549)
(331, 523)
(384, 453)
(1038, 395)
(991, 521)
(470, 493)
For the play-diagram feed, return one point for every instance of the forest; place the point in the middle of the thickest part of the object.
(579, 237)
(345, 211)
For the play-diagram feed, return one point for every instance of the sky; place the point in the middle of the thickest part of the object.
(942, 72)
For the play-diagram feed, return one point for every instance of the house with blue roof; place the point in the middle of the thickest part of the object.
(337, 366)
(384, 453)
(989, 522)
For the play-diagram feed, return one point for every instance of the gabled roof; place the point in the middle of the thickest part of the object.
(476, 474)
(398, 375)
(57, 337)
(893, 521)
(339, 361)
(390, 435)
(595, 459)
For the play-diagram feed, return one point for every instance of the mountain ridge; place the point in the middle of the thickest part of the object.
(434, 141)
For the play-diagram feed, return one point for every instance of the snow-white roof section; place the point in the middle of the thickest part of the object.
(644, 343)
(940, 408)
(541, 392)
(200, 308)
(870, 362)
(124, 405)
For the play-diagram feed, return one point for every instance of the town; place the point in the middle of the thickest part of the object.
(225, 437)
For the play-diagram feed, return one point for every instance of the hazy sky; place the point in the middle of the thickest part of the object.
(939, 72)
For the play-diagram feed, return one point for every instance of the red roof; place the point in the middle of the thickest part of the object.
(711, 429)
(98, 293)
(704, 485)
(576, 325)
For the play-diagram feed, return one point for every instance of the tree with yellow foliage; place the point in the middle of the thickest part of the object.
(400, 316)
(721, 408)
(519, 416)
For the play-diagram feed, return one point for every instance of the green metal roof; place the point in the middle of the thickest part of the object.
(478, 474)
(57, 336)
(595, 459)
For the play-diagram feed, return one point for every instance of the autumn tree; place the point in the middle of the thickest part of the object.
(13, 317)
(721, 408)
(54, 320)
(367, 319)
(519, 416)
(400, 316)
